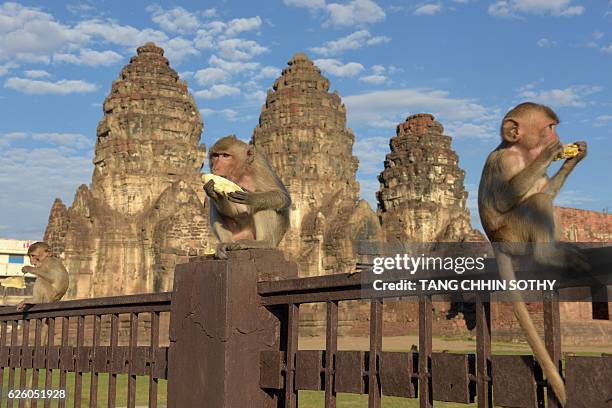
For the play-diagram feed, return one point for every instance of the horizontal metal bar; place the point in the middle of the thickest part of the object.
(146, 302)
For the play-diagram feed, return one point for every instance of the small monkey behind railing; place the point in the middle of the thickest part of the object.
(50, 286)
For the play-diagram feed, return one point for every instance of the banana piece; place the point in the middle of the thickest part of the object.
(223, 186)
(14, 282)
(569, 151)
(209, 251)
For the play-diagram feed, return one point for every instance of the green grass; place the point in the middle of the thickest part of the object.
(315, 399)
(142, 388)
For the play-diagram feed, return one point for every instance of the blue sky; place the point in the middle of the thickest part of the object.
(465, 61)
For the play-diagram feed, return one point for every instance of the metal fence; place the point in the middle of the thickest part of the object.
(52, 337)
(507, 381)
(223, 338)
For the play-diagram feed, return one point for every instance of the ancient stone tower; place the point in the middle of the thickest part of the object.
(145, 209)
(422, 198)
(302, 130)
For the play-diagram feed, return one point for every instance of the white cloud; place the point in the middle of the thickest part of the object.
(268, 72)
(607, 49)
(236, 49)
(50, 172)
(28, 34)
(69, 140)
(218, 91)
(598, 35)
(178, 48)
(62, 87)
(371, 152)
(204, 40)
(513, 8)
(211, 12)
(89, 57)
(428, 10)
(176, 20)
(310, 4)
(485, 130)
(228, 114)
(6, 68)
(546, 43)
(36, 73)
(232, 67)
(602, 120)
(114, 33)
(356, 12)
(257, 96)
(337, 68)
(353, 41)
(387, 108)
(557, 98)
(7, 138)
(239, 25)
(377, 69)
(374, 79)
(573, 198)
(211, 75)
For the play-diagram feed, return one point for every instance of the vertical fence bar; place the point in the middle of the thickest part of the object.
(293, 318)
(331, 346)
(483, 350)
(78, 374)
(35, 370)
(48, 366)
(112, 376)
(3, 351)
(14, 361)
(153, 380)
(131, 402)
(552, 338)
(63, 372)
(25, 342)
(425, 348)
(374, 391)
(93, 386)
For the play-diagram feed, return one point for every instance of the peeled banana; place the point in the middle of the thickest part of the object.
(569, 151)
(223, 186)
(14, 282)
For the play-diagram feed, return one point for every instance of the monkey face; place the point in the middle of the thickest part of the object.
(538, 130)
(38, 256)
(225, 164)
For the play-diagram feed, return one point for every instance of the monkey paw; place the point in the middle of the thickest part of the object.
(21, 306)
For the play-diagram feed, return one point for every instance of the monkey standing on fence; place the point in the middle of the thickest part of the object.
(515, 203)
(257, 214)
(51, 276)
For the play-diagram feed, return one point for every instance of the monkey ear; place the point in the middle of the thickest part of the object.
(510, 131)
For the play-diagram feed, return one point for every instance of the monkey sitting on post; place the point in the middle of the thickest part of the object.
(515, 201)
(256, 217)
(52, 278)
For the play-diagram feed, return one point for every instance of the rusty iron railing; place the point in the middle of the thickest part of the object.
(67, 348)
(461, 378)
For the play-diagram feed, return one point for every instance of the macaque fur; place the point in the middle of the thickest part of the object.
(51, 276)
(257, 217)
(515, 201)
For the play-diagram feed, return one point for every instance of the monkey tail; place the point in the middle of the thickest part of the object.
(550, 369)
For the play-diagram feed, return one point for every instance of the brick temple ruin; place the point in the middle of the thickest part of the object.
(302, 130)
(422, 196)
(145, 210)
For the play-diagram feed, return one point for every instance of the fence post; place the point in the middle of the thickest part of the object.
(218, 329)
